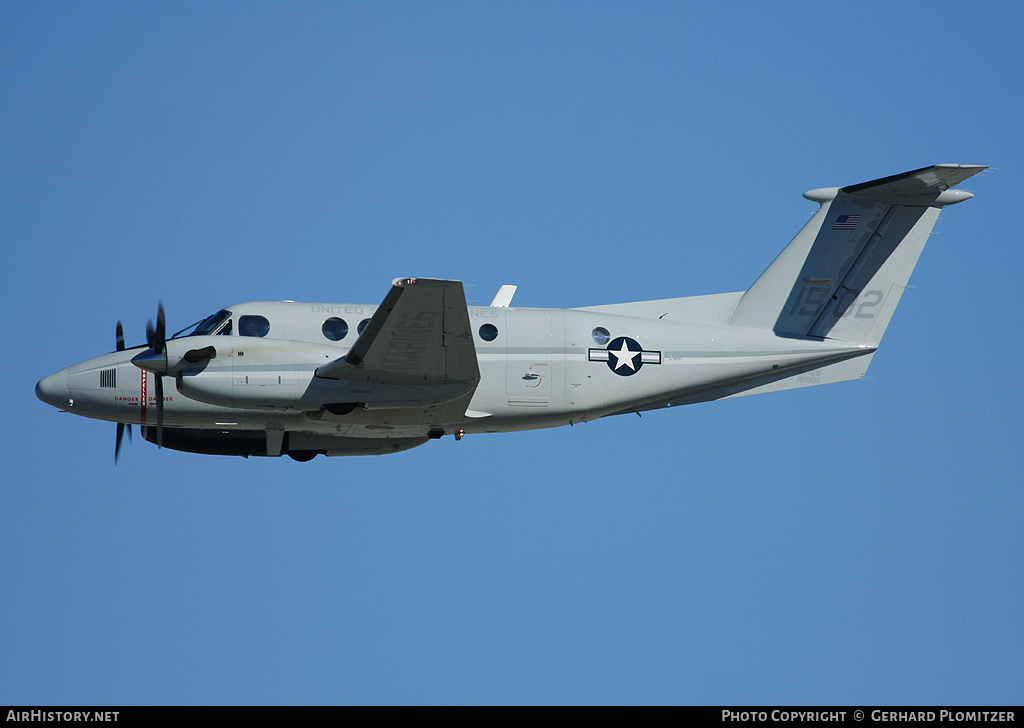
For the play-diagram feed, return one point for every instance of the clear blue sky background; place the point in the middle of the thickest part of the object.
(856, 543)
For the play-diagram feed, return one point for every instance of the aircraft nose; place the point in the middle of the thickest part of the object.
(54, 389)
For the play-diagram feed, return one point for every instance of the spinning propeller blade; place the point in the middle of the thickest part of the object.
(119, 338)
(154, 360)
(120, 435)
(157, 343)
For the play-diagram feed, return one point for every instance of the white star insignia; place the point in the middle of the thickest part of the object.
(624, 356)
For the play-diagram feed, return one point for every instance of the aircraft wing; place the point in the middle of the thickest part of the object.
(420, 334)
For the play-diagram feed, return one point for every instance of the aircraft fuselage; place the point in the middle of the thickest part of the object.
(538, 368)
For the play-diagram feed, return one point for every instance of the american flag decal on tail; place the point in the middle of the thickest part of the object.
(846, 222)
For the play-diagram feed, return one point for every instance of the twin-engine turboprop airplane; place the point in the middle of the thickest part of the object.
(307, 378)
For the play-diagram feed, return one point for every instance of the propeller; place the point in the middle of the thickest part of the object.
(120, 435)
(154, 359)
(155, 336)
(155, 339)
(120, 425)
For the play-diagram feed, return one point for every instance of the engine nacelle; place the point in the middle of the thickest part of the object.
(245, 372)
(251, 373)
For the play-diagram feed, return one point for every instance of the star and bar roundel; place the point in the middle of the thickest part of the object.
(625, 356)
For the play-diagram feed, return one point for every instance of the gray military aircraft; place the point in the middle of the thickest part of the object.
(306, 378)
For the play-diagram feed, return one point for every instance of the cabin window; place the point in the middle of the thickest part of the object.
(253, 326)
(488, 332)
(600, 336)
(335, 328)
(362, 325)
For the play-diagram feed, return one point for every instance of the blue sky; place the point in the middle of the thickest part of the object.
(855, 543)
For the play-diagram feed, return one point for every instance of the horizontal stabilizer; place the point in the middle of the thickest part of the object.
(925, 186)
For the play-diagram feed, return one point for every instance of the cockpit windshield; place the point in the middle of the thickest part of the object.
(208, 326)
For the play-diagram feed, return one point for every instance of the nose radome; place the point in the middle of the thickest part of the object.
(54, 389)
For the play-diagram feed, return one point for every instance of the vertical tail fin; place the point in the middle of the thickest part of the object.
(843, 274)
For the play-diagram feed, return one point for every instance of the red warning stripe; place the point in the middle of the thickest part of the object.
(144, 395)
